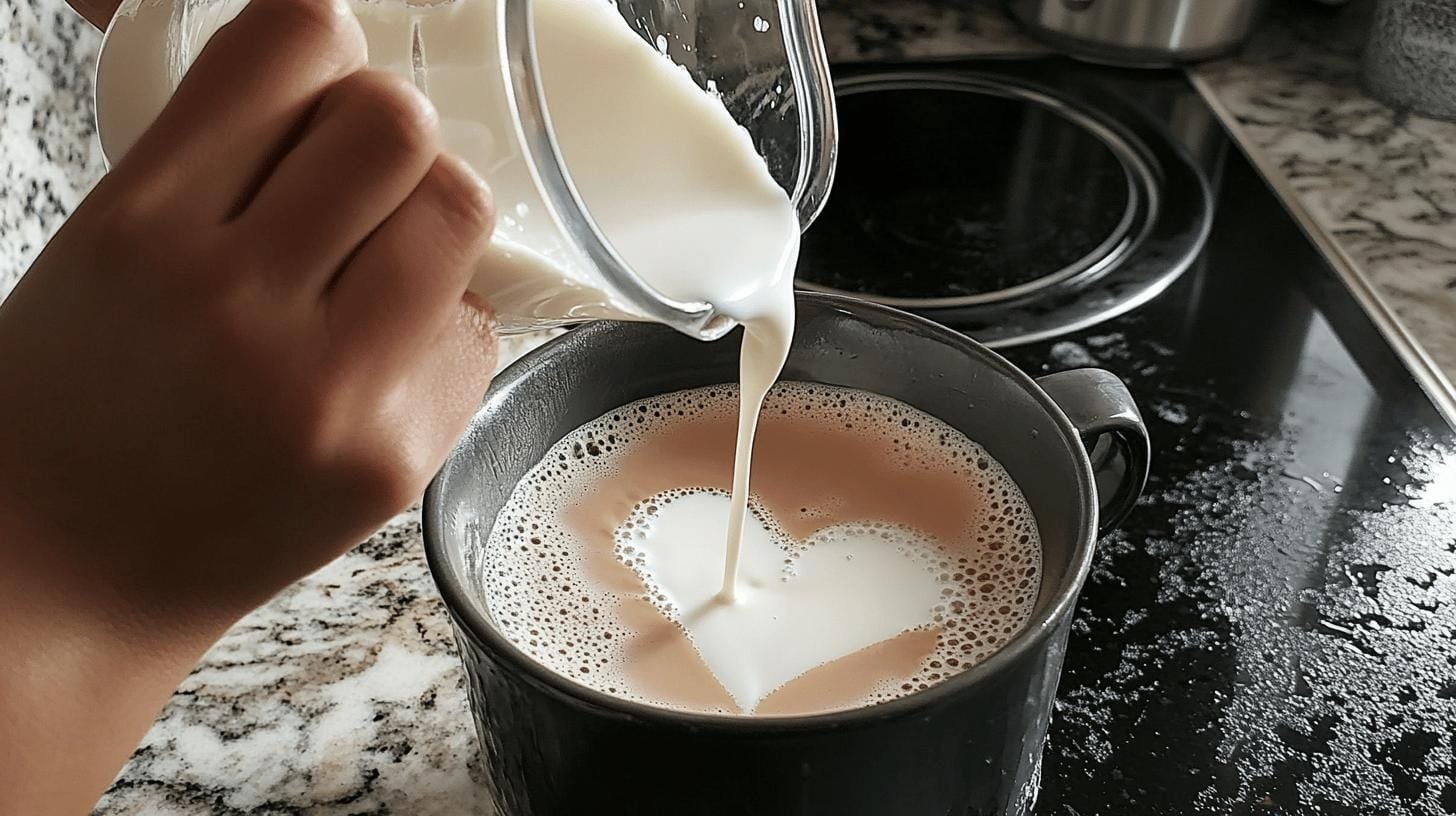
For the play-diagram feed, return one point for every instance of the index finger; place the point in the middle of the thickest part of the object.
(244, 99)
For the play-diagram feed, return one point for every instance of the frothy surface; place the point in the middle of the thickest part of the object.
(574, 566)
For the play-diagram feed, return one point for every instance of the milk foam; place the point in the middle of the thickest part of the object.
(975, 592)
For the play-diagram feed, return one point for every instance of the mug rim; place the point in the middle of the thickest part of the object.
(470, 614)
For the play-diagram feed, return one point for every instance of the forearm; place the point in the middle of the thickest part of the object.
(81, 679)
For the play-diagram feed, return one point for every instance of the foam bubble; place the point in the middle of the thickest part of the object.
(534, 571)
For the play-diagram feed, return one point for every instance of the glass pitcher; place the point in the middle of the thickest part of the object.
(764, 59)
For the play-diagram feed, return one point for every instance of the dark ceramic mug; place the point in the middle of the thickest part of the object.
(969, 745)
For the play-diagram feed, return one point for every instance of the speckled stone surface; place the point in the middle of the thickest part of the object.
(1383, 183)
(343, 695)
(48, 152)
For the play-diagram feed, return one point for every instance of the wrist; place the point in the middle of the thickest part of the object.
(83, 677)
(50, 586)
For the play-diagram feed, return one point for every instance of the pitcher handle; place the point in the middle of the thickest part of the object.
(1112, 430)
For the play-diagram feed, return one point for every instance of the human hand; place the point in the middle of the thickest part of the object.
(247, 348)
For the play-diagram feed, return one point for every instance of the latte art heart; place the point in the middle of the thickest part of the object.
(799, 604)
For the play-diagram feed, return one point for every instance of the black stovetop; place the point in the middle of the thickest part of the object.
(1273, 630)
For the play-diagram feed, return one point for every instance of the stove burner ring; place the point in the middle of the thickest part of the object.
(1080, 218)
(1139, 206)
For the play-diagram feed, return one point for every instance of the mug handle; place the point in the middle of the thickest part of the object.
(1112, 431)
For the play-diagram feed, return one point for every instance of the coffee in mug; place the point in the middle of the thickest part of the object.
(885, 552)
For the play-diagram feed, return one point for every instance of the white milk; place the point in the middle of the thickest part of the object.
(847, 588)
(667, 174)
(670, 178)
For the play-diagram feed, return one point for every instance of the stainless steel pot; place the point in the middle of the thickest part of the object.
(1140, 32)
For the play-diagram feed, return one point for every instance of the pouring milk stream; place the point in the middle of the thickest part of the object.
(670, 178)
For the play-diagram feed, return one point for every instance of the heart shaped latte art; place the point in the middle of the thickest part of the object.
(800, 604)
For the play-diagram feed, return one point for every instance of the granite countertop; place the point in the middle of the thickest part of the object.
(1382, 184)
(344, 695)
